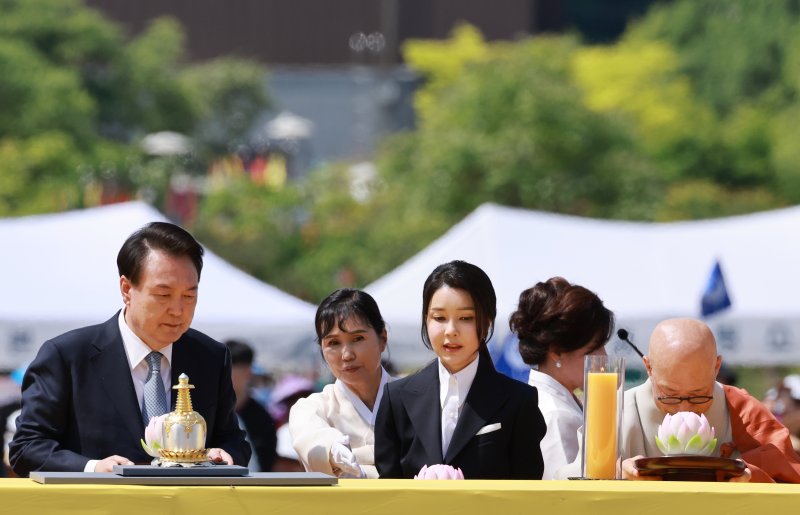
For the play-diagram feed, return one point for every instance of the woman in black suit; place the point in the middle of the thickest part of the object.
(459, 410)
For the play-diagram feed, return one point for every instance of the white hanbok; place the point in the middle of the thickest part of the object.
(564, 418)
(321, 419)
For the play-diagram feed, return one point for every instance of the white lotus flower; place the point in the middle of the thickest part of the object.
(686, 433)
(153, 436)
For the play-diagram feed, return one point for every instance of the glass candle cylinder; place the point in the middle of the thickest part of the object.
(603, 380)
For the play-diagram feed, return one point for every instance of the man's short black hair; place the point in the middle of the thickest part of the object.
(163, 236)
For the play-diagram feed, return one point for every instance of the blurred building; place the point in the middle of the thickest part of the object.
(318, 31)
(338, 63)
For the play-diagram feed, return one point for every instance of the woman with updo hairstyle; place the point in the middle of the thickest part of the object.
(557, 324)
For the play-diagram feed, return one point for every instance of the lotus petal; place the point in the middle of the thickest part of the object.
(692, 422)
(674, 445)
(694, 445)
(709, 448)
(661, 447)
(149, 450)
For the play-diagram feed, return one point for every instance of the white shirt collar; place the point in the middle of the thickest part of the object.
(363, 411)
(463, 379)
(135, 348)
(553, 387)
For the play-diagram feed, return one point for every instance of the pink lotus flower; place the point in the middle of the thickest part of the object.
(153, 436)
(686, 433)
(439, 472)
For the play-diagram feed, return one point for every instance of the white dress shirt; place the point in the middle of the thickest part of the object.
(564, 417)
(136, 351)
(453, 390)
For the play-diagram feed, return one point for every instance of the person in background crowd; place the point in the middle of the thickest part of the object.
(459, 410)
(784, 402)
(727, 375)
(559, 323)
(257, 423)
(89, 393)
(682, 364)
(288, 390)
(333, 431)
(9, 411)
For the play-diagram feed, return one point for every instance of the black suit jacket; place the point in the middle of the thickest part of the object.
(408, 427)
(79, 403)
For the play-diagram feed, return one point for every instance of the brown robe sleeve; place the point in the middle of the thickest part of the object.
(761, 439)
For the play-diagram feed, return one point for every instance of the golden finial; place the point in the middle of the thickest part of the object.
(184, 402)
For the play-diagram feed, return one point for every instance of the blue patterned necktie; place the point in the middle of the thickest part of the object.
(154, 402)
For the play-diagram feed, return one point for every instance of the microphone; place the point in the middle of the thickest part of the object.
(623, 335)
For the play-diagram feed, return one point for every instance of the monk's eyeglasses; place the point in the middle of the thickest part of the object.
(694, 399)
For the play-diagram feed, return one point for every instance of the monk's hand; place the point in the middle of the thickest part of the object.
(629, 471)
(744, 478)
(217, 455)
(107, 464)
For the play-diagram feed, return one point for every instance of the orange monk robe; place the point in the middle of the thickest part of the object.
(761, 440)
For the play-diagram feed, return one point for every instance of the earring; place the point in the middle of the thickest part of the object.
(558, 363)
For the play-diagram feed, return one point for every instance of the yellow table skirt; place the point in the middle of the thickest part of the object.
(406, 497)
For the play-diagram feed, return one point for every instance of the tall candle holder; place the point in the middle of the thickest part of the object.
(603, 380)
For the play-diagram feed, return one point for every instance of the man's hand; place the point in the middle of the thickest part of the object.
(217, 455)
(744, 478)
(629, 471)
(107, 464)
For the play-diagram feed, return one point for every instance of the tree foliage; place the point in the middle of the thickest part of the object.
(692, 113)
(76, 97)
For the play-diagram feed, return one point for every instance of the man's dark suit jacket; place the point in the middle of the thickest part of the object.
(408, 431)
(79, 403)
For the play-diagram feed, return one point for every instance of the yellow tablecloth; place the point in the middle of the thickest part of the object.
(406, 497)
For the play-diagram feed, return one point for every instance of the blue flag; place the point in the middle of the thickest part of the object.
(715, 297)
(508, 361)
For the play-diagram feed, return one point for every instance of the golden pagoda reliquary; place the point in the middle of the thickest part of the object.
(183, 432)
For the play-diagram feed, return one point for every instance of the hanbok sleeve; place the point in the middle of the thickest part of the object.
(312, 433)
(560, 443)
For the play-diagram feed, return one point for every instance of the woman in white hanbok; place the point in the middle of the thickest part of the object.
(559, 323)
(333, 431)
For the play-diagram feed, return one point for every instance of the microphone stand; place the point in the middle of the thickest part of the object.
(623, 335)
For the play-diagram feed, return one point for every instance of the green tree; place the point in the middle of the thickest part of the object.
(731, 49)
(514, 129)
(76, 98)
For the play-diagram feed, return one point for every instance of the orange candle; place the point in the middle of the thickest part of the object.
(601, 425)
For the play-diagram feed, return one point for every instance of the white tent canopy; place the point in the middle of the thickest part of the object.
(58, 272)
(644, 272)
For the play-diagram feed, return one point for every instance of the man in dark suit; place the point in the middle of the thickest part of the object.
(83, 406)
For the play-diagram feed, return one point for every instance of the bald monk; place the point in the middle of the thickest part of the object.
(682, 364)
